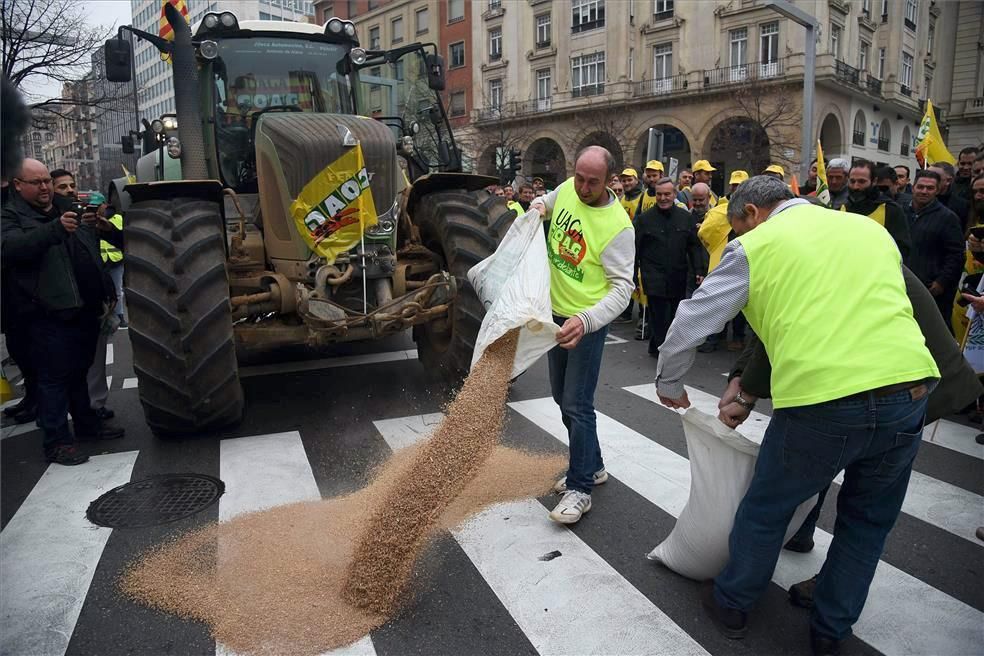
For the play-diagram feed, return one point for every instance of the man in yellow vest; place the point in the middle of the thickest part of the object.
(866, 199)
(591, 252)
(850, 380)
(630, 191)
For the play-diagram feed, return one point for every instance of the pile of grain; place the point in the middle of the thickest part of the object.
(277, 581)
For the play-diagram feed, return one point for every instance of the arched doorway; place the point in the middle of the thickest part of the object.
(607, 141)
(831, 137)
(675, 145)
(545, 159)
(736, 143)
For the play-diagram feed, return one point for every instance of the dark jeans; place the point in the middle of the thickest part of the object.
(660, 315)
(573, 378)
(809, 525)
(18, 339)
(874, 440)
(63, 352)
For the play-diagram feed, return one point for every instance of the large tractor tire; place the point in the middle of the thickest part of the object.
(464, 228)
(177, 296)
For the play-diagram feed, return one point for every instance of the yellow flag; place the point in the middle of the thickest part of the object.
(823, 192)
(130, 178)
(334, 209)
(930, 147)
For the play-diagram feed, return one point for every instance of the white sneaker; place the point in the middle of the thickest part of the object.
(572, 505)
(600, 477)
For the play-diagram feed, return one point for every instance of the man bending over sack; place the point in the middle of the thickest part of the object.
(591, 249)
(850, 381)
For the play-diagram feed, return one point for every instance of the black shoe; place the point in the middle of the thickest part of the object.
(123, 323)
(824, 646)
(801, 594)
(799, 545)
(106, 431)
(731, 622)
(707, 347)
(16, 409)
(28, 416)
(104, 413)
(980, 438)
(66, 454)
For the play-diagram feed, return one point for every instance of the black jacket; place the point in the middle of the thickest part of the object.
(958, 386)
(956, 204)
(895, 221)
(42, 264)
(937, 253)
(666, 242)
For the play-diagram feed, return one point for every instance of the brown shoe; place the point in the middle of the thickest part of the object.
(736, 345)
(801, 594)
(66, 454)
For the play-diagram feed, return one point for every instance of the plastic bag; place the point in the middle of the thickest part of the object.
(513, 285)
(722, 462)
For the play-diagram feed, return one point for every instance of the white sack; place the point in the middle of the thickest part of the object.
(722, 462)
(513, 285)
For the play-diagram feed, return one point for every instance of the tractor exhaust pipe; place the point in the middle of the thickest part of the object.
(193, 165)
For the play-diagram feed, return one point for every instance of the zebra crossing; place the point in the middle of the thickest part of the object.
(599, 596)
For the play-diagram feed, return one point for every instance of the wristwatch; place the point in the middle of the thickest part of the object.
(743, 402)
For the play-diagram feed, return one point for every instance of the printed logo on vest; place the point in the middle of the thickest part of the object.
(568, 240)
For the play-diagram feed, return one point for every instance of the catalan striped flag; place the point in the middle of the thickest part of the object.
(165, 31)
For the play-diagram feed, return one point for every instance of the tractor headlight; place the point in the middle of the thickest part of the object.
(334, 26)
(358, 56)
(349, 29)
(170, 123)
(157, 125)
(211, 21)
(208, 49)
(173, 148)
(228, 19)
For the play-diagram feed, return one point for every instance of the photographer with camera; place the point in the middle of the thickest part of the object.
(55, 284)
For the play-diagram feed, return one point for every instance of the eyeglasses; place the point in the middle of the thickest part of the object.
(40, 182)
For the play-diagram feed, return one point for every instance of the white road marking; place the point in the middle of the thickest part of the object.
(109, 354)
(903, 615)
(591, 608)
(954, 436)
(611, 339)
(327, 363)
(49, 552)
(264, 471)
(130, 383)
(935, 502)
(13, 430)
(109, 382)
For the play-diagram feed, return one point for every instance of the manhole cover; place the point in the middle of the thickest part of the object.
(155, 500)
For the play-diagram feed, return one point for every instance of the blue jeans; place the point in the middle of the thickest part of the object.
(573, 378)
(874, 440)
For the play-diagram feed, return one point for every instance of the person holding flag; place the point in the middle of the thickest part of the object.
(930, 147)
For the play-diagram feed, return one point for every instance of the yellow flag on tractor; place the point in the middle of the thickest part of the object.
(930, 147)
(823, 191)
(334, 209)
(165, 31)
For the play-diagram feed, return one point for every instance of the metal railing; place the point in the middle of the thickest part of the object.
(662, 15)
(744, 73)
(857, 138)
(874, 85)
(847, 72)
(883, 143)
(906, 91)
(588, 90)
(904, 149)
(659, 86)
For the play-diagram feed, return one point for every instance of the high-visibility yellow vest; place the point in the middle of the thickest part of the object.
(578, 235)
(516, 207)
(878, 216)
(828, 300)
(647, 201)
(110, 253)
(714, 231)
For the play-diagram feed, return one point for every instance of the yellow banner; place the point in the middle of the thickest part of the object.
(930, 147)
(336, 206)
(823, 192)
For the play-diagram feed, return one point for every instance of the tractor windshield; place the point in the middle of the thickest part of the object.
(260, 74)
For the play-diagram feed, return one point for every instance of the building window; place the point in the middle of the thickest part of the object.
(457, 107)
(588, 74)
(495, 94)
(543, 89)
(739, 53)
(884, 11)
(927, 85)
(904, 144)
(930, 38)
(495, 44)
(587, 15)
(456, 10)
(864, 52)
(885, 136)
(662, 61)
(881, 63)
(866, 8)
(456, 54)
(911, 9)
(495, 4)
(662, 9)
(769, 50)
(422, 20)
(396, 29)
(374, 38)
(835, 40)
(543, 30)
(857, 138)
(906, 70)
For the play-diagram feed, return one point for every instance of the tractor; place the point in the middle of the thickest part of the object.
(305, 192)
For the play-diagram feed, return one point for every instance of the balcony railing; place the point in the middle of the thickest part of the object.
(659, 86)
(744, 73)
(904, 150)
(588, 25)
(540, 45)
(874, 85)
(847, 72)
(589, 90)
(858, 138)
(662, 15)
(911, 24)
(883, 143)
(906, 91)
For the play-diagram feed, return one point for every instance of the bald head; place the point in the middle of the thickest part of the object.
(593, 167)
(700, 196)
(33, 184)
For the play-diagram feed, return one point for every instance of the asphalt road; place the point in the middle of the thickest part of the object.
(329, 422)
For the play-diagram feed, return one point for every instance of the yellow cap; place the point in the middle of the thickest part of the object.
(654, 164)
(631, 172)
(703, 165)
(775, 168)
(739, 176)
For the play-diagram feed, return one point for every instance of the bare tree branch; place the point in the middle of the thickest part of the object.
(498, 129)
(770, 105)
(603, 122)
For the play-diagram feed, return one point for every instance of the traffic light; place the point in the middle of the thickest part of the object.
(515, 160)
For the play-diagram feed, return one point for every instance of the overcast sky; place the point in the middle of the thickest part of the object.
(98, 12)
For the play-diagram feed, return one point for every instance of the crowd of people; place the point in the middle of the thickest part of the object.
(851, 331)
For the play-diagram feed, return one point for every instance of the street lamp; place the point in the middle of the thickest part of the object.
(797, 15)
